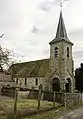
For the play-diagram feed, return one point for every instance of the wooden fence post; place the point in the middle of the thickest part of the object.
(65, 101)
(39, 96)
(62, 98)
(54, 100)
(81, 96)
(16, 97)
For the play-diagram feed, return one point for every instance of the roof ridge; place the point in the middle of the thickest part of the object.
(31, 61)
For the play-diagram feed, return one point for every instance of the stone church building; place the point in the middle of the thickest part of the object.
(57, 70)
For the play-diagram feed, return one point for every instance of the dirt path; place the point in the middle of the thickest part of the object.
(75, 114)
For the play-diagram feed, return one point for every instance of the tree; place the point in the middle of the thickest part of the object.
(6, 57)
(79, 78)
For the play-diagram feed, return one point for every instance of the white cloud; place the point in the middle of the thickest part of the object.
(18, 17)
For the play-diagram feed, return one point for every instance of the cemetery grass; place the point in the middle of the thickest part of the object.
(7, 105)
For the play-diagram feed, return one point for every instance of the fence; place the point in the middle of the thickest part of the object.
(40, 99)
(49, 95)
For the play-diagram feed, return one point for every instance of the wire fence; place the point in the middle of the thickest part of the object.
(31, 99)
(18, 101)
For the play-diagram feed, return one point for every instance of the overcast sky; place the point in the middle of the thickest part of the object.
(29, 26)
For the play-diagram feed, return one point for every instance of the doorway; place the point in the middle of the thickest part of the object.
(68, 85)
(56, 84)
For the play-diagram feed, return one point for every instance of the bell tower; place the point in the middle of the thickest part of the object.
(61, 62)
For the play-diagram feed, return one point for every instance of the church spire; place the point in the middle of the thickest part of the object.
(61, 30)
(61, 33)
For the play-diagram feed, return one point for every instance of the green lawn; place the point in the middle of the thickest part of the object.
(7, 105)
(30, 103)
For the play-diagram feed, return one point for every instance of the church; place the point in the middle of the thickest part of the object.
(56, 71)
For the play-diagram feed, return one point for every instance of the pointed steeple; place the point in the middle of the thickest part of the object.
(61, 30)
(61, 33)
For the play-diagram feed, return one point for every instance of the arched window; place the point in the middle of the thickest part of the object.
(68, 52)
(36, 81)
(25, 81)
(56, 52)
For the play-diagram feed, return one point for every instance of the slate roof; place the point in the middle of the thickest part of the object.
(38, 68)
(61, 30)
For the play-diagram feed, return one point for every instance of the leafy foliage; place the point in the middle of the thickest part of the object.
(5, 58)
(79, 78)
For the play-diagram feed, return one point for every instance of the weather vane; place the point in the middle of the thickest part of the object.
(61, 4)
(1, 35)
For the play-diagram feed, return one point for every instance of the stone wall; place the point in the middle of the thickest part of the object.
(62, 65)
(72, 99)
(31, 82)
